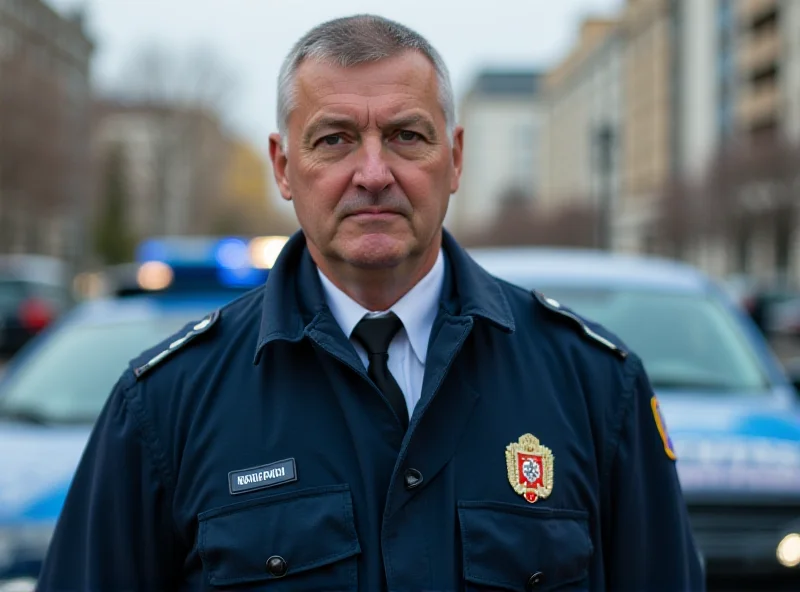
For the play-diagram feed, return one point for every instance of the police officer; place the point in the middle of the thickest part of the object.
(383, 414)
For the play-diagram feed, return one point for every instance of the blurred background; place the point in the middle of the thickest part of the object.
(668, 127)
(133, 161)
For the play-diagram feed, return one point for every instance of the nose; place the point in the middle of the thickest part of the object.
(373, 173)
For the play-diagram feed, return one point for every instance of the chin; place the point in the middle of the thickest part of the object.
(375, 251)
(375, 261)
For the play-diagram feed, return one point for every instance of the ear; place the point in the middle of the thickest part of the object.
(279, 161)
(458, 158)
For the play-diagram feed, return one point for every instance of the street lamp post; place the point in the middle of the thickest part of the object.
(604, 146)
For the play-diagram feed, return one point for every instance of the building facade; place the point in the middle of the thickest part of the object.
(502, 117)
(767, 121)
(704, 75)
(648, 124)
(791, 59)
(45, 110)
(759, 62)
(175, 164)
(708, 130)
(727, 81)
(681, 94)
(583, 107)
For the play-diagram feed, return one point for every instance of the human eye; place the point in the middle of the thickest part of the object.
(331, 140)
(408, 136)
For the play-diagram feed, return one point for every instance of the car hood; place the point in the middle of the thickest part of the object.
(36, 468)
(748, 444)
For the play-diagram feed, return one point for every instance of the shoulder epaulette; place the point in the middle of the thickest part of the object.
(198, 329)
(556, 307)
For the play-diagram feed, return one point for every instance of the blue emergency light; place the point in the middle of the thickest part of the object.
(197, 264)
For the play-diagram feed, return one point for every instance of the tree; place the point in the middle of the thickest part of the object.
(520, 222)
(768, 192)
(752, 187)
(33, 153)
(184, 97)
(574, 225)
(113, 241)
(194, 79)
(676, 219)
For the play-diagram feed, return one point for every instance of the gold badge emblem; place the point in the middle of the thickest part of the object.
(530, 468)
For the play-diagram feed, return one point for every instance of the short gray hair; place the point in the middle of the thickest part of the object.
(354, 40)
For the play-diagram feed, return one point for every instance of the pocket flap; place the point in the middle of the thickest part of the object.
(301, 531)
(504, 545)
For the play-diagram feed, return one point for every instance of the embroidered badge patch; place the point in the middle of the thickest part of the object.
(662, 428)
(262, 477)
(530, 468)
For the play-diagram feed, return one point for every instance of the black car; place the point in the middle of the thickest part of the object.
(34, 291)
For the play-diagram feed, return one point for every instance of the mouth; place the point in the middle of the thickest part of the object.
(374, 214)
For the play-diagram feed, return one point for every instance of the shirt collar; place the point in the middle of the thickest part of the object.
(293, 299)
(417, 309)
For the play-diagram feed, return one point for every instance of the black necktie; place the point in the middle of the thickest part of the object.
(375, 334)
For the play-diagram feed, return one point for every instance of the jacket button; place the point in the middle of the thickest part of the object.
(413, 478)
(277, 566)
(535, 580)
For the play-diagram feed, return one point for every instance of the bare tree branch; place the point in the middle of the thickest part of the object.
(184, 97)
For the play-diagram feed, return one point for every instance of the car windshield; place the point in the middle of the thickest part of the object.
(70, 377)
(686, 341)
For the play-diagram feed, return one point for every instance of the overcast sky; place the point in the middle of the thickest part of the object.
(253, 36)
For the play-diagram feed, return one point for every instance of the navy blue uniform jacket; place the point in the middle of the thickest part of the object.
(252, 452)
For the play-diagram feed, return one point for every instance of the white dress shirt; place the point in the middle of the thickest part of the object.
(409, 348)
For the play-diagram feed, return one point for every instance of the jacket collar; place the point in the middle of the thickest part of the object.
(294, 298)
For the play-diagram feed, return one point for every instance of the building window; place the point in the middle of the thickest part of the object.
(765, 22)
(765, 76)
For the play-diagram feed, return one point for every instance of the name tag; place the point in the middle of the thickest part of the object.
(270, 475)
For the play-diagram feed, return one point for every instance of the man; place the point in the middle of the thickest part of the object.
(382, 414)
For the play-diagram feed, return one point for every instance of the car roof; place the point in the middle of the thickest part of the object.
(584, 267)
(34, 268)
(112, 310)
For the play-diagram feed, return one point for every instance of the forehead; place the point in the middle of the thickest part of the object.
(403, 81)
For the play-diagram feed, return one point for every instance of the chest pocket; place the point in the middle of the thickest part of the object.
(303, 540)
(509, 547)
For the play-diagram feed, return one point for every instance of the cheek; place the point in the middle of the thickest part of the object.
(427, 187)
(318, 189)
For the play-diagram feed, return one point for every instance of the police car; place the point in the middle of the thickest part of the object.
(55, 387)
(732, 414)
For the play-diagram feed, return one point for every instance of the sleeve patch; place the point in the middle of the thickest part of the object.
(661, 424)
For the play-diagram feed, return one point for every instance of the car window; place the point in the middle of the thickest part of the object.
(12, 294)
(685, 341)
(58, 296)
(69, 379)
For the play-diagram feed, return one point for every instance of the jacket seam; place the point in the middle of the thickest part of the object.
(149, 439)
(147, 434)
(627, 396)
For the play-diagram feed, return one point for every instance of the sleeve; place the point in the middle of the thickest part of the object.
(650, 544)
(115, 530)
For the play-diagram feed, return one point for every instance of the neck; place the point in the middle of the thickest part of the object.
(377, 289)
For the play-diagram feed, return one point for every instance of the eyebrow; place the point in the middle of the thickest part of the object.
(327, 121)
